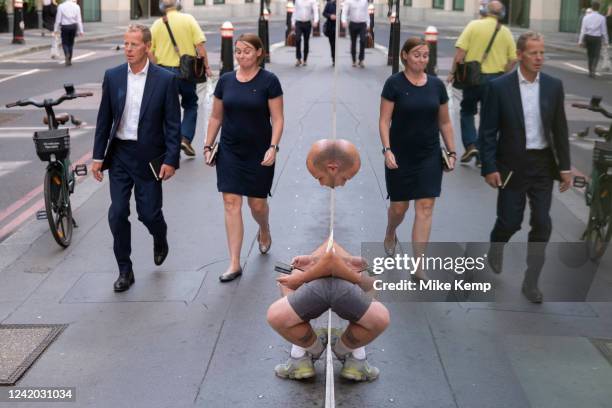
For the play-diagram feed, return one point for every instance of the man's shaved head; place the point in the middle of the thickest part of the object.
(333, 162)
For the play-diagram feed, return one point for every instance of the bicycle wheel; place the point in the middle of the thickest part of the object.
(597, 238)
(57, 206)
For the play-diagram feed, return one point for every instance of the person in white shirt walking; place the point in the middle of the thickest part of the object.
(593, 34)
(68, 20)
(355, 16)
(306, 14)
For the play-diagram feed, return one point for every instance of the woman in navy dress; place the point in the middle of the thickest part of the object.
(413, 112)
(248, 107)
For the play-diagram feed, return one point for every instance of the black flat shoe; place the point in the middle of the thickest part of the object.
(160, 251)
(263, 248)
(532, 293)
(230, 276)
(124, 281)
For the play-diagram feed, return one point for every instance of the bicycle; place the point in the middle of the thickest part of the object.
(53, 146)
(598, 192)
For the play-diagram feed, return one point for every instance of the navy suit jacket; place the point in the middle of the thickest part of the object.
(159, 125)
(503, 143)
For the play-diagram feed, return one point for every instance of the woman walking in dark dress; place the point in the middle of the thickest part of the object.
(248, 107)
(413, 112)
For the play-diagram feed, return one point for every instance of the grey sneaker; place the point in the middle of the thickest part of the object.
(296, 368)
(358, 370)
(303, 367)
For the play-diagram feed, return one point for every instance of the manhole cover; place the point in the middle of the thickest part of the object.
(21, 345)
(605, 347)
(8, 117)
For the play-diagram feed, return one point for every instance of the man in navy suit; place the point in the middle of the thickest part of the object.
(524, 147)
(138, 123)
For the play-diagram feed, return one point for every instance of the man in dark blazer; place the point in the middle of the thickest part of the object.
(138, 124)
(524, 147)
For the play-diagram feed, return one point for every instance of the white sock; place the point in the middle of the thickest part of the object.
(341, 349)
(297, 351)
(316, 348)
(359, 353)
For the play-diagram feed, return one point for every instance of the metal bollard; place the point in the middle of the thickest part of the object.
(262, 29)
(266, 39)
(431, 37)
(227, 47)
(290, 8)
(395, 27)
(18, 24)
(371, 13)
(390, 49)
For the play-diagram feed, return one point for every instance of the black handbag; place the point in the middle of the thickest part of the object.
(468, 73)
(191, 68)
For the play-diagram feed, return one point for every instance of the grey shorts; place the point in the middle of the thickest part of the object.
(312, 299)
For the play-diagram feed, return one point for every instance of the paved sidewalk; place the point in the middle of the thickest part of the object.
(179, 338)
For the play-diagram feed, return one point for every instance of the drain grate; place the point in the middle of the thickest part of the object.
(21, 345)
(605, 347)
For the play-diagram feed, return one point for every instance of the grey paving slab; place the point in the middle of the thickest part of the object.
(561, 371)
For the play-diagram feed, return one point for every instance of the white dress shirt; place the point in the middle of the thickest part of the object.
(305, 10)
(530, 98)
(128, 125)
(356, 11)
(68, 13)
(594, 24)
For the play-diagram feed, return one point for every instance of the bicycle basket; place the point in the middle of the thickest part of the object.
(602, 154)
(48, 142)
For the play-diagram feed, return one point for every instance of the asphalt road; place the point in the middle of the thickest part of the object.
(21, 173)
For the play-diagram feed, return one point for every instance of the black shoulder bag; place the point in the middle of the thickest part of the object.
(191, 68)
(468, 73)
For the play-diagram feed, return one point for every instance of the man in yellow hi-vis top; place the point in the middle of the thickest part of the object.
(471, 46)
(189, 38)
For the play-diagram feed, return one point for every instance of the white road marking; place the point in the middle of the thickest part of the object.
(569, 64)
(9, 167)
(32, 71)
(80, 57)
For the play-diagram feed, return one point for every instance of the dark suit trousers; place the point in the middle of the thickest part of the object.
(127, 173)
(302, 28)
(68, 32)
(593, 46)
(358, 30)
(537, 188)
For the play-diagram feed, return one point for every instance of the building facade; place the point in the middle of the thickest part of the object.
(540, 15)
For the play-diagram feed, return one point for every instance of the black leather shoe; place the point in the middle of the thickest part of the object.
(230, 276)
(125, 280)
(532, 293)
(160, 251)
(495, 257)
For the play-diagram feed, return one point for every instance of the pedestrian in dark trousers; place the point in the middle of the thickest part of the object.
(593, 33)
(190, 40)
(355, 17)
(138, 123)
(68, 20)
(471, 46)
(330, 27)
(524, 148)
(305, 14)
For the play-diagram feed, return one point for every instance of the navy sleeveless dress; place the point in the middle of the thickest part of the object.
(246, 134)
(414, 137)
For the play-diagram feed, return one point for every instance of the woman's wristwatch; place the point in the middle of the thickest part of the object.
(207, 148)
(385, 150)
(452, 154)
(275, 147)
